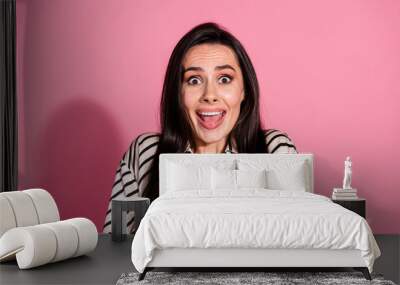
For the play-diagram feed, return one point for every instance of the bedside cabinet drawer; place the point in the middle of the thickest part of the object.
(357, 206)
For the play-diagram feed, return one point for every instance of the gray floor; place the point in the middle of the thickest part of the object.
(389, 262)
(110, 260)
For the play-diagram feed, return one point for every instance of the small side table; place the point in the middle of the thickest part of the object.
(357, 206)
(138, 205)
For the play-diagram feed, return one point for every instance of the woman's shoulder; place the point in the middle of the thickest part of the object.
(278, 141)
(142, 148)
(146, 139)
(274, 132)
(143, 141)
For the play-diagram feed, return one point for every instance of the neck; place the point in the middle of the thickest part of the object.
(217, 147)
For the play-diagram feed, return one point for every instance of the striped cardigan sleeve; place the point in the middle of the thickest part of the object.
(279, 142)
(125, 185)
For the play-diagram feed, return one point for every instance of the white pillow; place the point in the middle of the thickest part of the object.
(251, 178)
(223, 179)
(236, 179)
(200, 160)
(181, 177)
(280, 174)
(287, 179)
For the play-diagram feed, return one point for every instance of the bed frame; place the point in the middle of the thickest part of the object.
(244, 259)
(247, 259)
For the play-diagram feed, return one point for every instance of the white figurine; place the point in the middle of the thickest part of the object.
(347, 174)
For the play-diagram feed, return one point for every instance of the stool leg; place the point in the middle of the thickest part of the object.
(116, 221)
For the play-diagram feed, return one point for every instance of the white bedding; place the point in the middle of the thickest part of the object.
(250, 218)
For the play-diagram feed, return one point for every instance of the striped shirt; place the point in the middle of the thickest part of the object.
(132, 175)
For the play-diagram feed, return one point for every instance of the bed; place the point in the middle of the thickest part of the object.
(244, 211)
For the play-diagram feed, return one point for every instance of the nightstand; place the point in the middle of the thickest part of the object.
(118, 214)
(357, 206)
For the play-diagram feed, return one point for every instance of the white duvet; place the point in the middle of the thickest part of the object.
(250, 218)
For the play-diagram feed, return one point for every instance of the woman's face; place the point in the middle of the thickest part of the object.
(212, 90)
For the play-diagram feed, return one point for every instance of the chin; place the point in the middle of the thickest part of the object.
(211, 136)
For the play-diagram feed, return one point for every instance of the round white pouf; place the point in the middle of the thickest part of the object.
(23, 208)
(46, 207)
(87, 233)
(33, 246)
(67, 240)
(7, 218)
(40, 244)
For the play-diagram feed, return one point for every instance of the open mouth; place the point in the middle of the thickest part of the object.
(211, 120)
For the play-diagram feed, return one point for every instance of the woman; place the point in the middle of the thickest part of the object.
(209, 104)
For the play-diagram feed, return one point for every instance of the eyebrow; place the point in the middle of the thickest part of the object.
(220, 67)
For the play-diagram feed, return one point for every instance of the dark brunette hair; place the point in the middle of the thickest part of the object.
(176, 129)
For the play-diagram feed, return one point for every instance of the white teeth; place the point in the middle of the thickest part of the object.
(210, 113)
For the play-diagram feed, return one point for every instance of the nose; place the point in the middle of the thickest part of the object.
(210, 94)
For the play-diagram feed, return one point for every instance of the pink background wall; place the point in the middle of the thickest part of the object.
(90, 74)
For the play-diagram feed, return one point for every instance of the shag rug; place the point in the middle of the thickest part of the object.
(270, 278)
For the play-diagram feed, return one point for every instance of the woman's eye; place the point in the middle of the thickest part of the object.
(194, 81)
(225, 79)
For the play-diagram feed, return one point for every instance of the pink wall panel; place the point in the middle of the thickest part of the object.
(90, 74)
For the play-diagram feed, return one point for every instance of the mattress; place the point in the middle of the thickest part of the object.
(251, 218)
